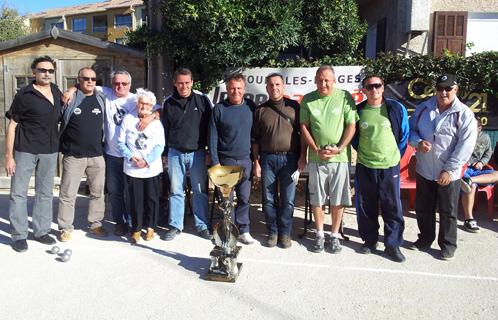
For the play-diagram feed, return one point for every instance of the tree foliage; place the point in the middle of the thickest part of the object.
(213, 36)
(11, 24)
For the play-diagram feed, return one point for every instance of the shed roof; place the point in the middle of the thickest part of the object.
(55, 33)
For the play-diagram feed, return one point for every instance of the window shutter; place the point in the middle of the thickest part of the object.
(450, 32)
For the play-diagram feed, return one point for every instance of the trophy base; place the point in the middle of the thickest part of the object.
(224, 267)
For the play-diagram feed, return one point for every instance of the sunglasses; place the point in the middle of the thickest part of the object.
(43, 70)
(447, 89)
(370, 87)
(124, 84)
(92, 79)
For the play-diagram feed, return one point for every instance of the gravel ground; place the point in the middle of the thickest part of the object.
(111, 279)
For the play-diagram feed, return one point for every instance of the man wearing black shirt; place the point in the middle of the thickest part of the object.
(31, 144)
(81, 138)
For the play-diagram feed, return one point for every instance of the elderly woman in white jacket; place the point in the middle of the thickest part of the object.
(142, 152)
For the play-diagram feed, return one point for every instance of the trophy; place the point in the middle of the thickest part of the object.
(224, 266)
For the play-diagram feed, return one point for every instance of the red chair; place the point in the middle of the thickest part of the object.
(408, 182)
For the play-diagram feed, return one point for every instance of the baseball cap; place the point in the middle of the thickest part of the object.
(446, 80)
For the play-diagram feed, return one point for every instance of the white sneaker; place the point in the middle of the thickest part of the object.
(246, 238)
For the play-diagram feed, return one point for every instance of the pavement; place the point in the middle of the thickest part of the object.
(112, 279)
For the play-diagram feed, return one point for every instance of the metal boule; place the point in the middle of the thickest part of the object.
(55, 250)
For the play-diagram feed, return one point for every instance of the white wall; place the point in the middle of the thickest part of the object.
(481, 31)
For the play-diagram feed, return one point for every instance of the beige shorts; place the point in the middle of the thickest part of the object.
(329, 181)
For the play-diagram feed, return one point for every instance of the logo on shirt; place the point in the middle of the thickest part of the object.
(77, 111)
(386, 124)
(96, 111)
(118, 116)
(364, 125)
(316, 112)
(336, 111)
(141, 141)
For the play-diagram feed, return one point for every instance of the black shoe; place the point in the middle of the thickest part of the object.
(447, 254)
(368, 248)
(171, 234)
(46, 239)
(395, 254)
(205, 234)
(420, 245)
(20, 245)
(319, 244)
(470, 225)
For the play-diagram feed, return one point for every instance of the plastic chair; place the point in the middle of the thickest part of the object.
(406, 181)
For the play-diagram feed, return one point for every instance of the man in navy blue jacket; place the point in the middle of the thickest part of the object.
(380, 140)
(230, 144)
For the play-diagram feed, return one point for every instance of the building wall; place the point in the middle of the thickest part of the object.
(465, 5)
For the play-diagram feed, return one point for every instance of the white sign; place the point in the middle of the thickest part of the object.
(298, 82)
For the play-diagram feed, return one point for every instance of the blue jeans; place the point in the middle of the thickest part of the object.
(243, 191)
(178, 165)
(44, 167)
(114, 179)
(277, 169)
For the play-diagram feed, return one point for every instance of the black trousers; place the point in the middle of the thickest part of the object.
(374, 186)
(431, 197)
(143, 201)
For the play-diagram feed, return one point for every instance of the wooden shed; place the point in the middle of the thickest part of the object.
(71, 51)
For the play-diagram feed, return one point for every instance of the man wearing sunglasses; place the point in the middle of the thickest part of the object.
(81, 136)
(31, 145)
(444, 131)
(380, 140)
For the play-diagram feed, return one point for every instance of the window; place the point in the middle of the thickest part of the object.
(22, 81)
(69, 82)
(121, 41)
(58, 25)
(99, 23)
(79, 25)
(122, 21)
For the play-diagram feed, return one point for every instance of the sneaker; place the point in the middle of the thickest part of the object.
(135, 237)
(419, 245)
(395, 254)
(447, 254)
(367, 248)
(65, 236)
(205, 234)
(20, 245)
(335, 245)
(98, 231)
(466, 185)
(285, 242)
(149, 235)
(470, 225)
(319, 244)
(246, 238)
(120, 230)
(171, 234)
(271, 241)
(45, 239)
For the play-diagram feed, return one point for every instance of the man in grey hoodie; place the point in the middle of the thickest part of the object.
(81, 143)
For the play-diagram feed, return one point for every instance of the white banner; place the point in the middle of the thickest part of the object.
(298, 82)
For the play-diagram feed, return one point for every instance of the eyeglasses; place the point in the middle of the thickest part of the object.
(370, 87)
(43, 70)
(447, 89)
(117, 84)
(92, 79)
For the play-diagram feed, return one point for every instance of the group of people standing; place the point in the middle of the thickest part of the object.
(128, 139)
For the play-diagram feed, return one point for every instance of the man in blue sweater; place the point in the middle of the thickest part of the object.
(230, 144)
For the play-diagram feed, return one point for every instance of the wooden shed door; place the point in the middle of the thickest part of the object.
(68, 71)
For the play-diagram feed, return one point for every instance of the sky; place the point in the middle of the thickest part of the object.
(34, 6)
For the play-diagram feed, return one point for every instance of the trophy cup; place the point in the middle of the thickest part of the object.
(224, 266)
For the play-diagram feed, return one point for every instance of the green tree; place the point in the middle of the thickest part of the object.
(213, 36)
(11, 24)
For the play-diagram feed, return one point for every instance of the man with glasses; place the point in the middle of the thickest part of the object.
(380, 141)
(444, 131)
(185, 119)
(276, 151)
(32, 144)
(328, 120)
(81, 138)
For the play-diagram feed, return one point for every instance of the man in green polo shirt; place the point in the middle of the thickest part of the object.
(328, 116)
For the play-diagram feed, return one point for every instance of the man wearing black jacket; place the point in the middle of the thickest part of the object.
(185, 119)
